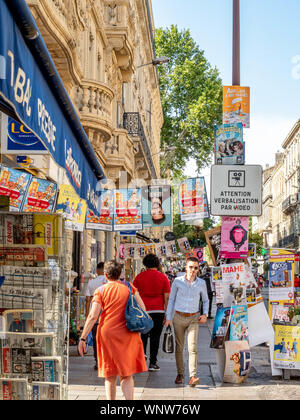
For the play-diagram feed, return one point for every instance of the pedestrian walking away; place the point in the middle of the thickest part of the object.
(185, 295)
(154, 288)
(90, 290)
(206, 276)
(120, 351)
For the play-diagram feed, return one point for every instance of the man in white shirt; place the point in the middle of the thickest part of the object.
(90, 290)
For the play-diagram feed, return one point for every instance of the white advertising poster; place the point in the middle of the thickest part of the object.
(234, 283)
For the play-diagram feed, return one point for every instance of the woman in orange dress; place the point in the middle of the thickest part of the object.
(120, 351)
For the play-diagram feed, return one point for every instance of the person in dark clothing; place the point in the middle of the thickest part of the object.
(206, 276)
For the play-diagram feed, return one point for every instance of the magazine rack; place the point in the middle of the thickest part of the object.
(34, 307)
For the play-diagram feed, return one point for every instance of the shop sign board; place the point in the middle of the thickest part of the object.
(236, 190)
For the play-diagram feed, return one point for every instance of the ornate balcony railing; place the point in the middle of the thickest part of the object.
(289, 204)
(133, 124)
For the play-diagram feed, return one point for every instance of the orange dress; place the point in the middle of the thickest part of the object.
(119, 351)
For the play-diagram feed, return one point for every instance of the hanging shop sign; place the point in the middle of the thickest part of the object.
(106, 214)
(236, 190)
(72, 207)
(193, 203)
(156, 206)
(234, 237)
(229, 144)
(128, 209)
(236, 105)
(14, 184)
(40, 196)
(17, 139)
(24, 87)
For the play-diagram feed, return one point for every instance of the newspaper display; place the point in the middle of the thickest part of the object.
(229, 144)
(13, 389)
(14, 184)
(238, 361)
(18, 320)
(27, 256)
(221, 325)
(234, 237)
(40, 196)
(193, 203)
(46, 369)
(239, 323)
(286, 347)
(45, 391)
(31, 277)
(16, 229)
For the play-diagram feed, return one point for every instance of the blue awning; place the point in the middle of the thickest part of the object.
(31, 86)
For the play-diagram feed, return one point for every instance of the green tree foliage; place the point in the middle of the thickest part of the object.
(191, 93)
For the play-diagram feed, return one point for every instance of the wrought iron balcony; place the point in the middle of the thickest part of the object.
(290, 203)
(133, 124)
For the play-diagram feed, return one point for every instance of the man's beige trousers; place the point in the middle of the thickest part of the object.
(191, 325)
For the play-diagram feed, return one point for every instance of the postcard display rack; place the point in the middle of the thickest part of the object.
(34, 307)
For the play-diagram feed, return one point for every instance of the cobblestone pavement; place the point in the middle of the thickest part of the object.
(260, 385)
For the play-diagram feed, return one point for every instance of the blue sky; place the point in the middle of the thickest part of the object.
(270, 40)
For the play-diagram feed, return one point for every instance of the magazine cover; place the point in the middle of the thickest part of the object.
(17, 229)
(171, 250)
(128, 209)
(72, 207)
(193, 203)
(234, 237)
(234, 283)
(40, 196)
(238, 361)
(12, 389)
(218, 286)
(229, 144)
(106, 213)
(18, 320)
(156, 206)
(221, 324)
(286, 348)
(34, 256)
(281, 280)
(236, 105)
(14, 184)
(184, 245)
(239, 323)
(46, 369)
(253, 293)
(280, 311)
(45, 391)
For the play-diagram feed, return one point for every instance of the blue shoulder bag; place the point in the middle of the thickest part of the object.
(137, 320)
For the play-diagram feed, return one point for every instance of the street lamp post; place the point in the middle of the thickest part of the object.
(236, 44)
(156, 62)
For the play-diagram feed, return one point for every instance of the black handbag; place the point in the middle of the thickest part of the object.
(137, 319)
(168, 343)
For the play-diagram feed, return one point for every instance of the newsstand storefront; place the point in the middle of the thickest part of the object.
(34, 300)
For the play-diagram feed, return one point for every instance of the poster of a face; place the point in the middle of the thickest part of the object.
(14, 184)
(72, 207)
(234, 237)
(236, 105)
(156, 206)
(40, 196)
(193, 202)
(105, 219)
(229, 144)
(128, 209)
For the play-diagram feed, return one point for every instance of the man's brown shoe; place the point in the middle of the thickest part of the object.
(194, 381)
(179, 379)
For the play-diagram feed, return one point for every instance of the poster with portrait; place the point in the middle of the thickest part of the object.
(221, 325)
(236, 105)
(229, 144)
(106, 213)
(234, 237)
(234, 283)
(281, 280)
(286, 347)
(128, 209)
(40, 196)
(171, 250)
(193, 202)
(72, 207)
(156, 206)
(14, 184)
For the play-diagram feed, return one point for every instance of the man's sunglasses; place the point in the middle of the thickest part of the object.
(192, 267)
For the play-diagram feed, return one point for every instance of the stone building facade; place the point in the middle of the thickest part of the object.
(97, 47)
(280, 221)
